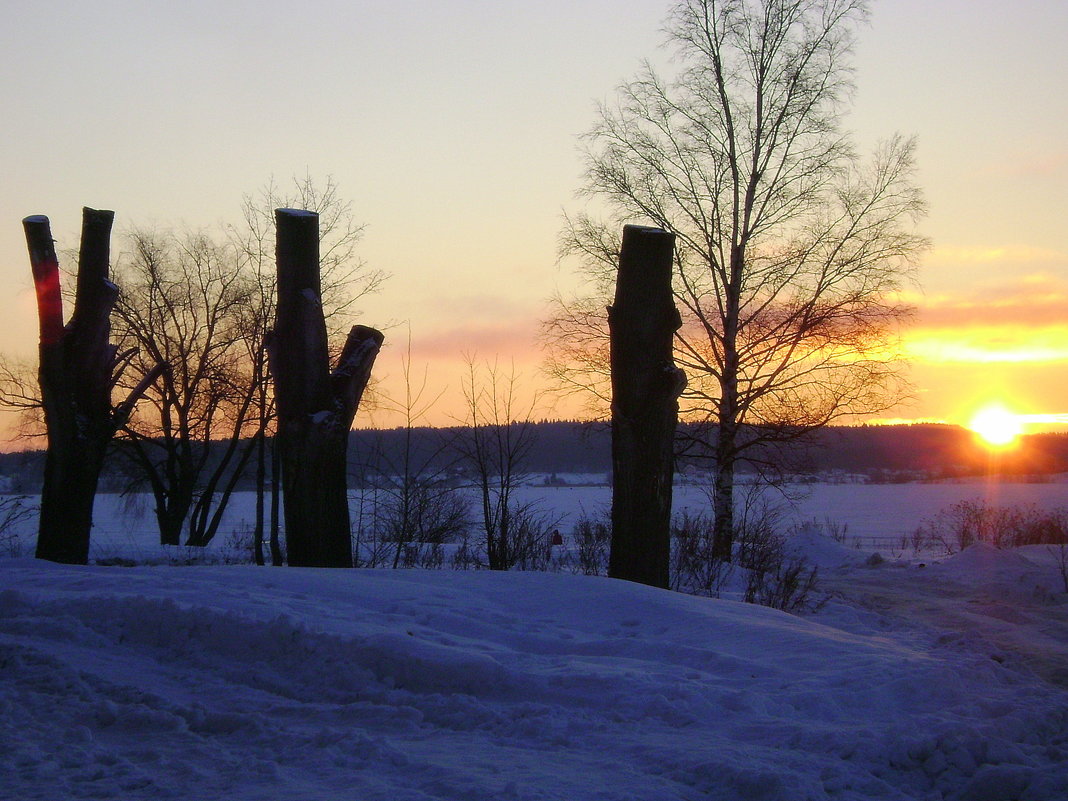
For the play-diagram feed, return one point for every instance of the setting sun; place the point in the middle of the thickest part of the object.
(996, 425)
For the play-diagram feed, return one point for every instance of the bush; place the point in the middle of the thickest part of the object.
(776, 577)
(593, 536)
(968, 522)
(694, 567)
(406, 525)
(772, 575)
(13, 510)
(523, 543)
(788, 583)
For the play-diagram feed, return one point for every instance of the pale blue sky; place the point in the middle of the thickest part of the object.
(452, 126)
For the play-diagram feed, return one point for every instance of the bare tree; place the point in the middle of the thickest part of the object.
(20, 393)
(417, 502)
(499, 438)
(182, 302)
(790, 249)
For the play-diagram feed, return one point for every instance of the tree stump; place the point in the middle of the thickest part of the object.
(78, 368)
(315, 406)
(646, 385)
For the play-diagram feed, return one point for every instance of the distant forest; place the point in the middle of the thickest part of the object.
(569, 452)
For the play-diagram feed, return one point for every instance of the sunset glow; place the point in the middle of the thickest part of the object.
(495, 157)
(996, 425)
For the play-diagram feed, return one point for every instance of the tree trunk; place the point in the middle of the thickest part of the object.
(261, 486)
(315, 406)
(276, 498)
(726, 450)
(723, 491)
(645, 389)
(76, 366)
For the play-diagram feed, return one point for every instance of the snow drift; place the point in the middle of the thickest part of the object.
(246, 683)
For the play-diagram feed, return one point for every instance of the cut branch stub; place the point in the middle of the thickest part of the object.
(303, 363)
(353, 370)
(45, 266)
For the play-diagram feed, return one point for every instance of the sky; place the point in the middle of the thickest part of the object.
(453, 128)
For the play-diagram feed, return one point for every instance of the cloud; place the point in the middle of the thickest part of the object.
(988, 346)
(516, 340)
(1016, 320)
(1029, 301)
(1001, 254)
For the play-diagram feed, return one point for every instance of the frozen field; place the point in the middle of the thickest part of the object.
(869, 510)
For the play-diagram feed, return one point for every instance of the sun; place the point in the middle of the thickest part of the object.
(996, 426)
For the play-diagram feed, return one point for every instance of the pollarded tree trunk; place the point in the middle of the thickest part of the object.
(78, 368)
(645, 389)
(315, 407)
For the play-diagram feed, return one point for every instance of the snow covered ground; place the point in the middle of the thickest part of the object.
(946, 681)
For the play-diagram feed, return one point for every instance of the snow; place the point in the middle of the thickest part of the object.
(883, 512)
(946, 681)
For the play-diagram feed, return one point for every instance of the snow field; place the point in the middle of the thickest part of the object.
(246, 683)
(125, 528)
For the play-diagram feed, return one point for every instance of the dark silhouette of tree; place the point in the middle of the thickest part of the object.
(78, 370)
(789, 248)
(344, 280)
(415, 503)
(494, 447)
(182, 302)
(645, 407)
(316, 406)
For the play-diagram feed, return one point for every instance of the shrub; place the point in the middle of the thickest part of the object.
(13, 510)
(967, 522)
(593, 536)
(694, 567)
(399, 526)
(523, 543)
(776, 577)
(788, 583)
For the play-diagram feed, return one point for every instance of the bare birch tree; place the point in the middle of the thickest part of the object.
(791, 249)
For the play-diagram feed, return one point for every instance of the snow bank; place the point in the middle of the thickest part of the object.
(824, 553)
(250, 683)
